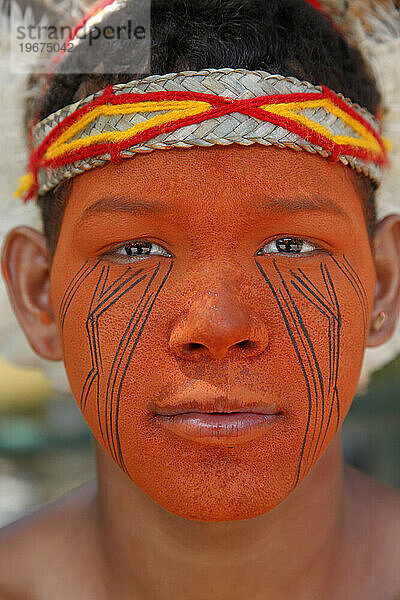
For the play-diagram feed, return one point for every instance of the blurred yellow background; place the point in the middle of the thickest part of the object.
(14, 383)
(45, 445)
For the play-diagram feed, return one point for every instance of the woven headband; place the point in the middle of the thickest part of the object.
(202, 108)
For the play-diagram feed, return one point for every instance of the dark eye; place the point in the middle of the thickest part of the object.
(287, 245)
(141, 249)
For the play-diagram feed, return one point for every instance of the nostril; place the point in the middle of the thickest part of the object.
(247, 345)
(192, 347)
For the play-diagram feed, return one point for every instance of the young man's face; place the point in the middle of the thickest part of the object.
(221, 306)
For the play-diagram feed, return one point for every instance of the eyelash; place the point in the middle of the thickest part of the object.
(138, 257)
(315, 247)
(165, 253)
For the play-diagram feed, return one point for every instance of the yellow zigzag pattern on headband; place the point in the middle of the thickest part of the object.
(292, 110)
(184, 109)
(177, 110)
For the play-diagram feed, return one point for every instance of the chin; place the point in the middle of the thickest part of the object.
(219, 497)
(223, 509)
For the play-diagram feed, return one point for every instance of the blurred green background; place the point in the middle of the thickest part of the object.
(45, 445)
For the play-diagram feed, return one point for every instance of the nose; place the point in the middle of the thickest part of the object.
(218, 323)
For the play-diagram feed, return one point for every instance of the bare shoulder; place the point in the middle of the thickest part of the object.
(46, 547)
(374, 530)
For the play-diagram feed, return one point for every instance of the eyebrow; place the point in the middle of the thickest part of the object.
(296, 205)
(121, 204)
(139, 207)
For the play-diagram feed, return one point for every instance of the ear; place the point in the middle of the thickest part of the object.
(387, 289)
(26, 270)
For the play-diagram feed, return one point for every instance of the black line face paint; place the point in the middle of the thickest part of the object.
(135, 288)
(73, 287)
(324, 411)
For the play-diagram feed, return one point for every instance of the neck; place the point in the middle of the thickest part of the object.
(290, 551)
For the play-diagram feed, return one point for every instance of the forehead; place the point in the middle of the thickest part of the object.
(240, 178)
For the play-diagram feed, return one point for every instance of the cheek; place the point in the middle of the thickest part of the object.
(103, 315)
(325, 309)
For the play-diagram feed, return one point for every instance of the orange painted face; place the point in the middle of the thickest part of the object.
(232, 276)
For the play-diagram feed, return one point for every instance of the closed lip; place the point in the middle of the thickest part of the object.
(202, 414)
(212, 404)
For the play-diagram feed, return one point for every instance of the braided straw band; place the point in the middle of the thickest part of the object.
(201, 108)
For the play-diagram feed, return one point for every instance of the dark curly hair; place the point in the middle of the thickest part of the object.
(288, 37)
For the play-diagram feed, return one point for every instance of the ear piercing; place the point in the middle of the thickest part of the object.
(379, 321)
